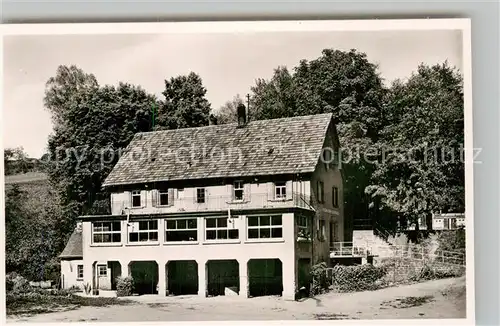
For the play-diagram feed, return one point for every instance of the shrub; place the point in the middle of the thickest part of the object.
(452, 240)
(432, 271)
(357, 278)
(17, 283)
(319, 279)
(87, 288)
(124, 286)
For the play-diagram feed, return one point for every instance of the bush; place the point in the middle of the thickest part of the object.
(124, 286)
(452, 240)
(319, 279)
(433, 271)
(357, 278)
(17, 283)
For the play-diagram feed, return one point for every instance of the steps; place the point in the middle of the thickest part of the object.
(366, 238)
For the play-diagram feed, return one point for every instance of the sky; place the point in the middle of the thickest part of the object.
(228, 64)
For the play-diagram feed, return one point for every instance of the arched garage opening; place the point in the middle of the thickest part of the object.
(182, 277)
(223, 277)
(145, 275)
(265, 277)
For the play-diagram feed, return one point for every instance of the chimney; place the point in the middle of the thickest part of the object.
(242, 115)
(212, 120)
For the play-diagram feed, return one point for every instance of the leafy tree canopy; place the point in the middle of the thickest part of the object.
(423, 170)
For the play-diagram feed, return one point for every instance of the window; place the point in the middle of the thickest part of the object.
(143, 231)
(321, 192)
(102, 270)
(136, 198)
(333, 232)
(200, 195)
(105, 232)
(265, 227)
(238, 190)
(321, 230)
(220, 229)
(79, 272)
(304, 227)
(327, 157)
(280, 190)
(335, 197)
(163, 197)
(181, 230)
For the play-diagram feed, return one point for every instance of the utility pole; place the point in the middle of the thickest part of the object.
(248, 101)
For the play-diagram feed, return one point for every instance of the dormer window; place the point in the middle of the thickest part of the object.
(238, 190)
(136, 198)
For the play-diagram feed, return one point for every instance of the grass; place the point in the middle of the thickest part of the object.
(31, 303)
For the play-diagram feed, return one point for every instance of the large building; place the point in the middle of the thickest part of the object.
(243, 209)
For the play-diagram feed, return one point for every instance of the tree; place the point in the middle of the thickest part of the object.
(61, 88)
(185, 104)
(98, 124)
(227, 113)
(275, 98)
(425, 171)
(16, 161)
(344, 83)
(32, 217)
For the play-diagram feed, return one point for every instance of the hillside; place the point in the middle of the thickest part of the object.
(26, 178)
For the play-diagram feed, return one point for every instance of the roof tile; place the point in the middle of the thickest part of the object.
(263, 147)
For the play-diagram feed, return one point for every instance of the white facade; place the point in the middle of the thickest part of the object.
(448, 221)
(72, 274)
(154, 238)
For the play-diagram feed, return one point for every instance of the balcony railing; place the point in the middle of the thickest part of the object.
(216, 203)
(346, 249)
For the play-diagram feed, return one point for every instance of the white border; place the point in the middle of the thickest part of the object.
(292, 26)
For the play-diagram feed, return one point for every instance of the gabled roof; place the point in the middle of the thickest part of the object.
(74, 247)
(263, 147)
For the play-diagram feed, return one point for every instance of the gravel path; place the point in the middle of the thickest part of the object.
(433, 299)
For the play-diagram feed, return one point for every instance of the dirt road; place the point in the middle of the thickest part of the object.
(433, 299)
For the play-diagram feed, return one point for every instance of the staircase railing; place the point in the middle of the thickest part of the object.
(380, 230)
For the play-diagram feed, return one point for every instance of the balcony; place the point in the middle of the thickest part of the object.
(347, 249)
(218, 203)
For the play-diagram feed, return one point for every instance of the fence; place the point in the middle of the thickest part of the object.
(417, 252)
(387, 272)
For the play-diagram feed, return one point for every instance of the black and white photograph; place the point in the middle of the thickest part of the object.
(238, 171)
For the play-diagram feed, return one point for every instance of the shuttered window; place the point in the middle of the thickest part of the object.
(200, 195)
(280, 190)
(136, 198)
(238, 190)
(163, 197)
